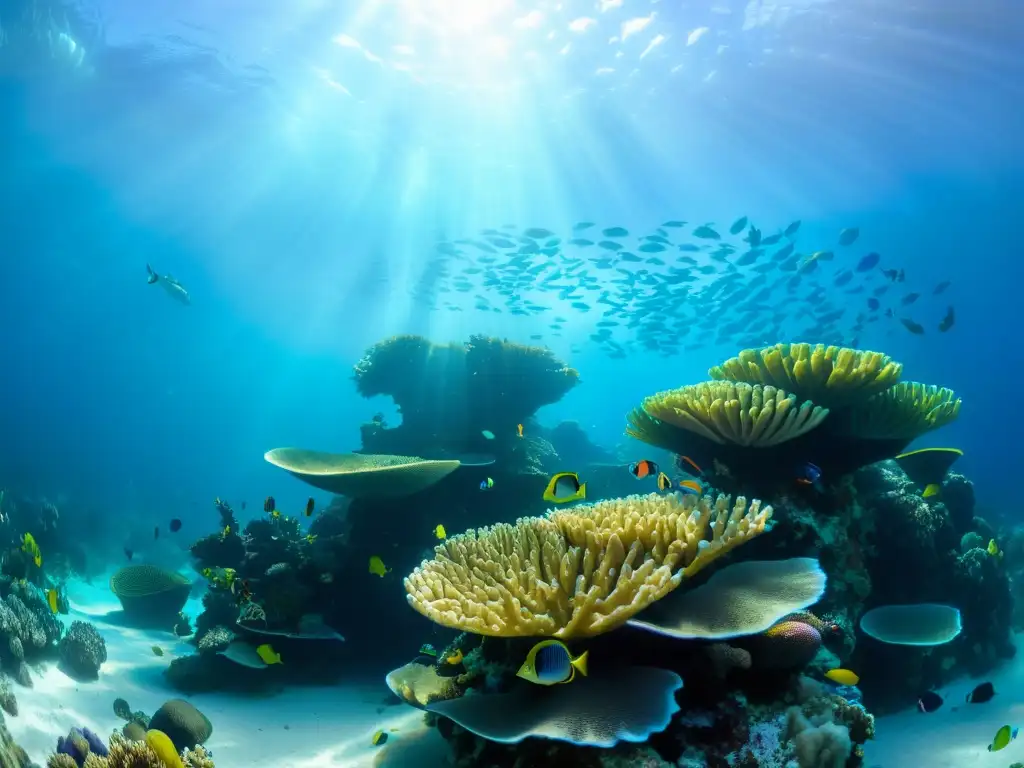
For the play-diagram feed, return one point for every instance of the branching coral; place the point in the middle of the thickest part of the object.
(903, 412)
(725, 412)
(830, 376)
(578, 572)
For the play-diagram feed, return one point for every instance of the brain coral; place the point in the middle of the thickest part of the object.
(149, 592)
(185, 725)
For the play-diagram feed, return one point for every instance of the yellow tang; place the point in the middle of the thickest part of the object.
(440, 532)
(549, 662)
(993, 548)
(377, 567)
(51, 598)
(267, 653)
(842, 676)
(564, 488)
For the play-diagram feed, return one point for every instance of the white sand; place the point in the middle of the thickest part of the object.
(326, 727)
(332, 727)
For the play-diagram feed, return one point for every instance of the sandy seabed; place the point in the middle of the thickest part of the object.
(333, 727)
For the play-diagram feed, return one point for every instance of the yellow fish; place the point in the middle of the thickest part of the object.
(842, 676)
(51, 598)
(311, 537)
(564, 488)
(993, 549)
(440, 532)
(30, 548)
(268, 654)
(549, 662)
(1003, 737)
(377, 567)
(932, 489)
(276, 514)
(226, 532)
(158, 651)
(455, 658)
(379, 739)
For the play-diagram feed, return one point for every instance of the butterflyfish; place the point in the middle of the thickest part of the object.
(30, 548)
(981, 693)
(309, 506)
(51, 599)
(268, 654)
(379, 739)
(486, 485)
(565, 487)
(550, 662)
(664, 483)
(643, 468)
(455, 658)
(440, 532)
(519, 430)
(377, 567)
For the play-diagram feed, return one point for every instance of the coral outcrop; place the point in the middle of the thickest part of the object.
(82, 651)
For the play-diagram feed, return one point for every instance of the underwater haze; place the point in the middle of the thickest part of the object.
(642, 187)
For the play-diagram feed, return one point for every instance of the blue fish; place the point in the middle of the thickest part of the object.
(810, 474)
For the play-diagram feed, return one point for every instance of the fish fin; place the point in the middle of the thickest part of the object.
(582, 494)
(932, 489)
(580, 663)
(152, 276)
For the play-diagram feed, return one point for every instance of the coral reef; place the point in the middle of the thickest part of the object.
(578, 572)
(841, 409)
(82, 651)
(155, 751)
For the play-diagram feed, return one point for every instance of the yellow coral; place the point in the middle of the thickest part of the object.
(725, 412)
(197, 758)
(901, 413)
(155, 752)
(577, 572)
(830, 376)
(61, 761)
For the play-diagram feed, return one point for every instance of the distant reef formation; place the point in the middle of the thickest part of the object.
(711, 593)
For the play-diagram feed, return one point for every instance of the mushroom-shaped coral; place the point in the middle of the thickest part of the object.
(82, 651)
(578, 572)
(723, 412)
(150, 594)
(626, 704)
(361, 475)
(828, 375)
(448, 393)
(902, 413)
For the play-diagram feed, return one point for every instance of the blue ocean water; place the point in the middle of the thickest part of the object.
(295, 165)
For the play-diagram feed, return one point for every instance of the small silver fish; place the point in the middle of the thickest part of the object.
(174, 289)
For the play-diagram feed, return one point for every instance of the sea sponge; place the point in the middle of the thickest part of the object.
(818, 745)
(903, 412)
(359, 475)
(163, 747)
(830, 376)
(133, 732)
(724, 412)
(82, 651)
(150, 593)
(185, 725)
(578, 572)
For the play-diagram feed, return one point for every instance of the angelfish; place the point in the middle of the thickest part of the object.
(175, 289)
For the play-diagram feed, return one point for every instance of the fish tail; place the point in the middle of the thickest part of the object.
(580, 663)
(152, 276)
(583, 491)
